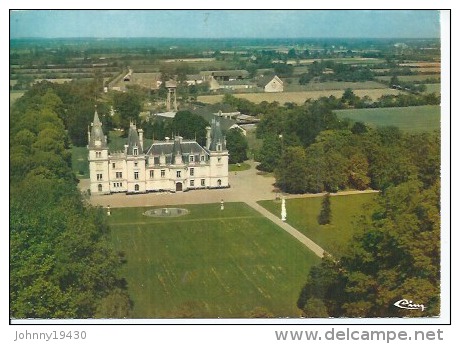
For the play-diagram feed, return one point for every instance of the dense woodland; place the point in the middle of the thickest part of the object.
(61, 261)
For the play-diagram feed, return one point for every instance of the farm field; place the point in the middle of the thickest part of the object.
(433, 88)
(411, 119)
(15, 95)
(297, 97)
(414, 78)
(209, 263)
(333, 85)
(302, 214)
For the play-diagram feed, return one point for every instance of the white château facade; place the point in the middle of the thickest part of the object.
(170, 165)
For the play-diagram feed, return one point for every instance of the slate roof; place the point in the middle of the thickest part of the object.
(216, 135)
(133, 141)
(97, 134)
(172, 147)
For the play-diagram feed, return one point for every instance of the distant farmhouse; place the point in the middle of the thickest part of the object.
(171, 165)
(272, 84)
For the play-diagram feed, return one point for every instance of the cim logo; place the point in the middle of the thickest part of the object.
(408, 304)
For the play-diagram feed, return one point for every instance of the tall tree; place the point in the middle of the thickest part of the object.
(237, 146)
(325, 215)
(128, 106)
(291, 172)
(189, 126)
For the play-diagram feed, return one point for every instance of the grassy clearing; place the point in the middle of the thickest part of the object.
(412, 119)
(80, 163)
(297, 97)
(209, 263)
(302, 214)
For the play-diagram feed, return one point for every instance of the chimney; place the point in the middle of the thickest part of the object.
(141, 139)
(208, 137)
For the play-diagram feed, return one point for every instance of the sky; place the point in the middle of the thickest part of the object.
(225, 23)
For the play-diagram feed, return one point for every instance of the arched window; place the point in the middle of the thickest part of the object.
(99, 187)
(136, 187)
(219, 182)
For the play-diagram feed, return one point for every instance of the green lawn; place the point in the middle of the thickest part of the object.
(412, 118)
(302, 214)
(209, 263)
(239, 167)
(80, 163)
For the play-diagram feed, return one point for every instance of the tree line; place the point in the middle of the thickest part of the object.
(62, 264)
(311, 150)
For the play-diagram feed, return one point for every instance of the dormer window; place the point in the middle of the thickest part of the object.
(134, 151)
(218, 147)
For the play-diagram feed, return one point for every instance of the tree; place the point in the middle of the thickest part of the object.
(349, 97)
(305, 78)
(270, 153)
(190, 126)
(62, 264)
(358, 171)
(324, 217)
(315, 308)
(291, 172)
(128, 106)
(237, 146)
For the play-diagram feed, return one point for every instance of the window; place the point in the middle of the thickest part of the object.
(136, 187)
(99, 176)
(121, 184)
(119, 175)
(156, 160)
(219, 159)
(163, 173)
(135, 164)
(135, 151)
(202, 158)
(136, 175)
(192, 182)
(114, 185)
(98, 154)
(218, 147)
(151, 174)
(99, 187)
(219, 182)
(178, 173)
(113, 165)
(192, 172)
(203, 182)
(191, 158)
